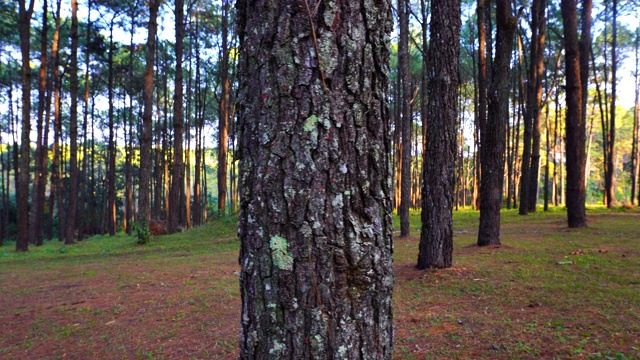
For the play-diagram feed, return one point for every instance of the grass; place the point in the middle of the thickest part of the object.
(547, 292)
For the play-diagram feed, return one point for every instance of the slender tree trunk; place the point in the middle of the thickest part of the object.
(55, 80)
(128, 171)
(314, 183)
(73, 129)
(37, 204)
(146, 137)
(223, 110)
(493, 133)
(575, 127)
(81, 217)
(636, 127)
(585, 48)
(482, 97)
(436, 238)
(111, 147)
(610, 177)
(535, 96)
(405, 117)
(177, 179)
(22, 198)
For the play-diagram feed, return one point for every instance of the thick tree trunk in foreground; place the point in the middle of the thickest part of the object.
(436, 238)
(493, 134)
(575, 126)
(315, 211)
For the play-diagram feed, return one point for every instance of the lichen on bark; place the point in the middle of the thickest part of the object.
(315, 217)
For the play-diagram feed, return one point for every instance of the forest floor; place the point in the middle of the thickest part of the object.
(548, 292)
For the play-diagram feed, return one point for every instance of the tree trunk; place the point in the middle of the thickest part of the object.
(39, 178)
(146, 137)
(111, 147)
(315, 218)
(436, 237)
(223, 110)
(73, 130)
(636, 127)
(24, 177)
(575, 127)
(482, 97)
(585, 47)
(55, 80)
(177, 179)
(405, 118)
(493, 133)
(81, 217)
(535, 96)
(610, 177)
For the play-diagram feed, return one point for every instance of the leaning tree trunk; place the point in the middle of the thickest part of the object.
(436, 238)
(575, 127)
(493, 134)
(315, 211)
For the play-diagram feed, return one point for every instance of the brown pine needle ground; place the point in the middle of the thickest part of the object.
(547, 292)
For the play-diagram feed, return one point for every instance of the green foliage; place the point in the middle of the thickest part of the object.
(142, 229)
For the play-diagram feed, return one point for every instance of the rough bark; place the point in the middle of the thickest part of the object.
(493, 134)
(315, 210)
(436, 238)
(146, 137)
(575, 127)
(177, 178)
(405, 118)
